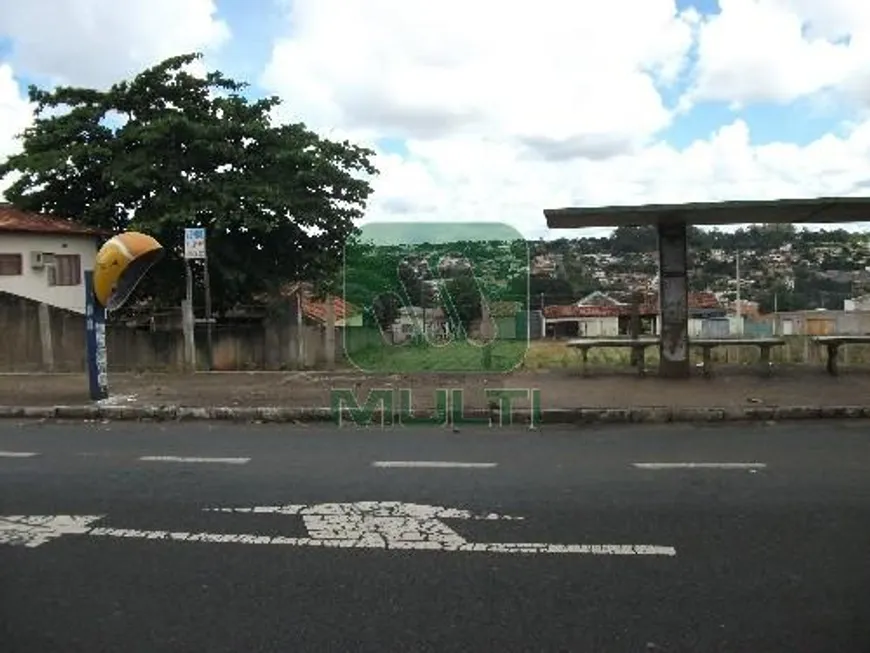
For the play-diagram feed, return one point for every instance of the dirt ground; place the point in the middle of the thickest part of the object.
(806, 385)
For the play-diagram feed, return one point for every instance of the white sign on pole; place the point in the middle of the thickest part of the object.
(194, 243)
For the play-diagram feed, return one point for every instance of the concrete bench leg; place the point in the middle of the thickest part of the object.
(638, 355)
(766, 365)
(707, 361)
(833, 351)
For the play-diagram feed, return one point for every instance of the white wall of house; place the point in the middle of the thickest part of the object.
(696, 327)
(736, 325)
(36, 283)
(598, 327)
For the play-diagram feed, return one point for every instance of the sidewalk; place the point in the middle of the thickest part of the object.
(559, 389)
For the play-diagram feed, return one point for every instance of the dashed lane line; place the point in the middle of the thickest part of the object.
(193, 459)
(699, 465)
(433, 464)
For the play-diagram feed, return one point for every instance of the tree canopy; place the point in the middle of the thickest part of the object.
(465, 300)
(167, 150)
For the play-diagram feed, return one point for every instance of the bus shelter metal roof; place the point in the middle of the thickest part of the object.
(823, 210)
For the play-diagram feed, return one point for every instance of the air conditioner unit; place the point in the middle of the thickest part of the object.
(37, 260)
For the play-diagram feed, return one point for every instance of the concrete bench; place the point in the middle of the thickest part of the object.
(707, 346)
(833, 344)
(638, 346)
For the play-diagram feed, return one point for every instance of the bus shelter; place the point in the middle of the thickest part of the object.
(672, 221)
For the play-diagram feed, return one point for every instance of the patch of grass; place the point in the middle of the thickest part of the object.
(509, 355)
(550, 354)
(503, 356)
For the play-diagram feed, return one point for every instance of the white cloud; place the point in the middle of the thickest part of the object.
(462, 179)
(559, 79)
(94, 43)
(97, 42)
(781, 50)
(509, 109)
(507, 112)
(16, 114)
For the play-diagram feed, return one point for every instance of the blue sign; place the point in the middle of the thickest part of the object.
(95, 332)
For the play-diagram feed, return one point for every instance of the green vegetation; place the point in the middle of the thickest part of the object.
(167, 150)
(782, 266)
(454, 357)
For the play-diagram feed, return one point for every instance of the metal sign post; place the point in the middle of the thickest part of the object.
(97, 359)
(187, 321)
(195, 249)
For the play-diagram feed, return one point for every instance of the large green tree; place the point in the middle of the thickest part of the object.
(465, 300)
(168, 150)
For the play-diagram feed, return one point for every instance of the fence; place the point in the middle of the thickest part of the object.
(757, 329)
(38, 338)
(818, 323)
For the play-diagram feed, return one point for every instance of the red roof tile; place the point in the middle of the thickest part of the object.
(16, 221)
(316, 309)
(572, 310)
(697, 300)
(704, 299)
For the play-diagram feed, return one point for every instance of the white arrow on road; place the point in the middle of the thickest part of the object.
(33, 530)
(389, 525)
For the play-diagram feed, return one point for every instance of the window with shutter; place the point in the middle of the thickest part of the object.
(10, 265)
(66, 270)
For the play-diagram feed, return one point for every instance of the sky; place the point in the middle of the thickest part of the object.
(485, 111)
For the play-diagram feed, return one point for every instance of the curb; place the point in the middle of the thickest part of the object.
(284, 415)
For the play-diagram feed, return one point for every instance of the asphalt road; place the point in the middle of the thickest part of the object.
(768, 556)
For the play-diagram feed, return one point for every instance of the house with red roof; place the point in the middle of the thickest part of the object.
(43, 257)
(314, 310)
(600, 316)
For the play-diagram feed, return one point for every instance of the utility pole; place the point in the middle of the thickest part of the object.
(194, 249)
(634, 326)
(188, 320)
(738, 308)
(208, 315)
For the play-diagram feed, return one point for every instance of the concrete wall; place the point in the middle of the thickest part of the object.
(258, 346)
(33, 283)
(820, 323)
(48, 339)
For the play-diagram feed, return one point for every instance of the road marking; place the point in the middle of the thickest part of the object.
(375, 542)
(386, 525)
(33, 530)
(700, 465)
(438, 464)
(184, 459)
(395, 525)
(17, 454)
(365, 509)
